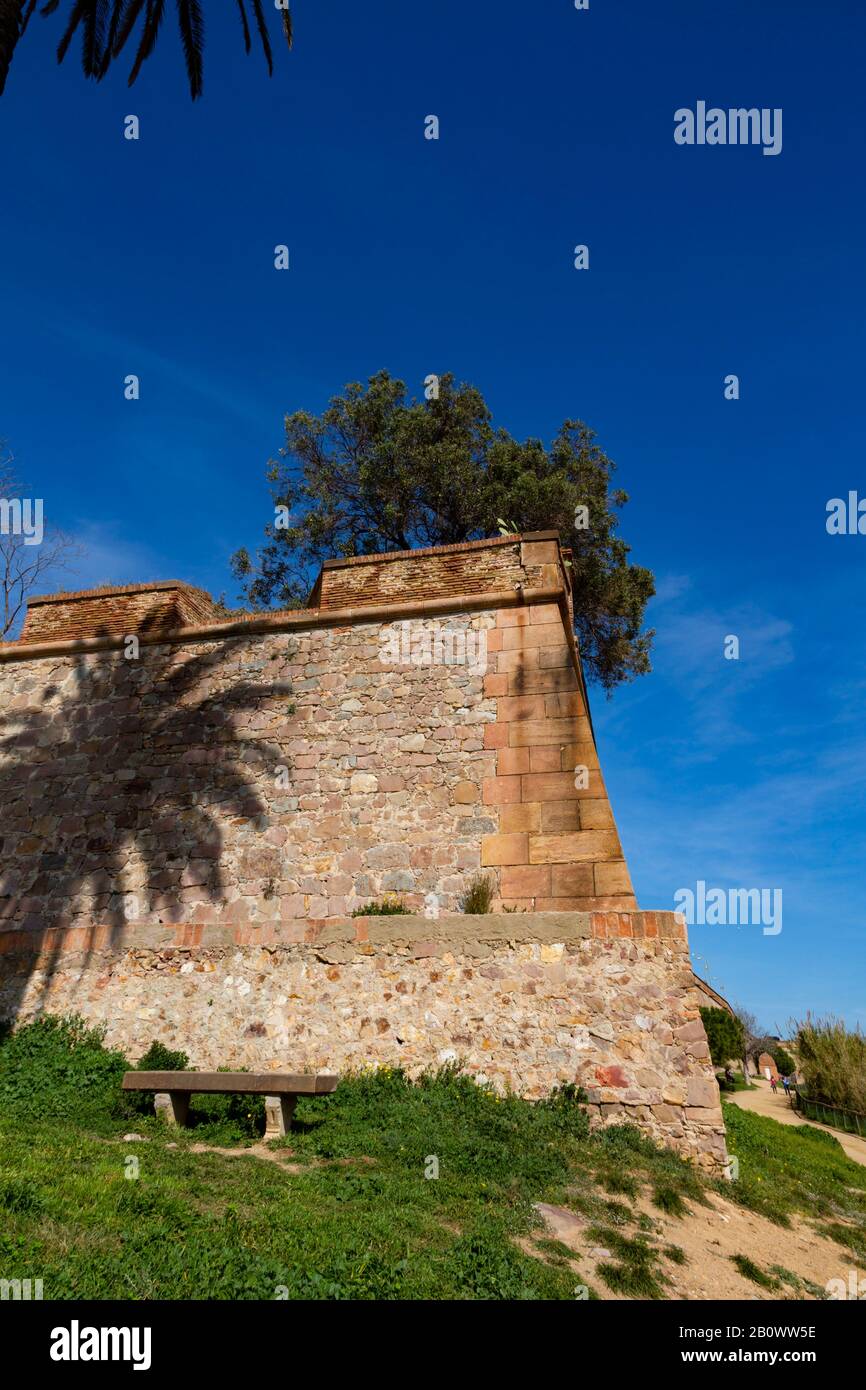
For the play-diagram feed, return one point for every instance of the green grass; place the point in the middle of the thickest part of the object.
(750, 1270)
(637, 1273)
(787, 1169)
(347, 1209)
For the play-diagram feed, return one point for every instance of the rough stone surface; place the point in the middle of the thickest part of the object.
(527, 1015)
(187, 828)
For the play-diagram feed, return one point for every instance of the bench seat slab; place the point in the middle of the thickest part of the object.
(231, 1082)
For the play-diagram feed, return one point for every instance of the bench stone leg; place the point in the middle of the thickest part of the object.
(278, 1115)
(172, 1106)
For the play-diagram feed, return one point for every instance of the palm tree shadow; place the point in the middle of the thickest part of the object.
(115, 787)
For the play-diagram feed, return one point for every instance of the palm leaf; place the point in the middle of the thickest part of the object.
(107, 25)
(131, 10)
(152, 21)
(117, 13)
(192, 37)
(93, 38)
(243, 9)
(90, 15)
(287, 26)
(76, 16)
(11, 29)
(263, 35)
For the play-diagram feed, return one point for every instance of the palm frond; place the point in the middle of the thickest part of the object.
(11, 29)
(287, 26)
(131, 10)
(243, 9)
(263, 35)
(75, 17)
(90, 16)
(152, 21)
(93, 38)
(117, 12)
(107, 25)
(192, 37)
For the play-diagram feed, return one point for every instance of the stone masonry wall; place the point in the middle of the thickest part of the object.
(185, 833)
(606, 1001)
(290, 777)
(278, 778)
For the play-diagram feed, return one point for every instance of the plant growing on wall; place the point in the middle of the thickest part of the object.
(478, 896)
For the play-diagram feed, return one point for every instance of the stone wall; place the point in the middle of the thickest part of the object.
(529, 1001)
(291, 776)
(186, 829)
(285, 777)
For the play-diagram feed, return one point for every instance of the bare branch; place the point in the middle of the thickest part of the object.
(23, 560)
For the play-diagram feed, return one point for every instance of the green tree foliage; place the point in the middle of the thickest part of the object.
(724, 1035)
(377, 471)
(106, 27)
(785, 1064)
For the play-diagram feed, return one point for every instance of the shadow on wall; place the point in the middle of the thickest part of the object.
(113, 788)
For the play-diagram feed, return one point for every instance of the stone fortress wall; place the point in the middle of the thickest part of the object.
(189, 820)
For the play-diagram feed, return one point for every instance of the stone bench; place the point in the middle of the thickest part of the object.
(280, 1090)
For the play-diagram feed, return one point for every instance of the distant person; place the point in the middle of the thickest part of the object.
(786, 1082)
(729, 1075)
(773, 1085)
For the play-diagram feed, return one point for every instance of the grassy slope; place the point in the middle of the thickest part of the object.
(353, 1215)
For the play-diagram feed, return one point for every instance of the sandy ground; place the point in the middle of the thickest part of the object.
(778, 1107)
(709, 1237)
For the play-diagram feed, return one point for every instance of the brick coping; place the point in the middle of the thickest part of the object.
(115, 590)
(458, 548)
(289, 619)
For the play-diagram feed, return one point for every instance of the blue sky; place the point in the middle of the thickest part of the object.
(156, 258)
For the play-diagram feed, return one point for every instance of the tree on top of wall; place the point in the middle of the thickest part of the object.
(377, 471)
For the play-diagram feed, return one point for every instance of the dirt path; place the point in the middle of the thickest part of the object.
(709, 1237)
(778, 1107)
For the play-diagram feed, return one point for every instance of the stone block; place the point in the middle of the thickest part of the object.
(512, 761)
(525, 881)
(497, 791)
(524, 816)
(504, 849)
(583, 845)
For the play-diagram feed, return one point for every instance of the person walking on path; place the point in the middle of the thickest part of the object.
(786, 1082)
(773, 1086)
